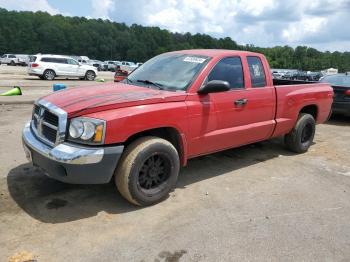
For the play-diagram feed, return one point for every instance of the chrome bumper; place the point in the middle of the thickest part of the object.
(63, 153)
(72, 163)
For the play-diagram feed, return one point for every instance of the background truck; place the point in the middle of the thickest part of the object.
(127, 66)
(13, 60)
(181, 105)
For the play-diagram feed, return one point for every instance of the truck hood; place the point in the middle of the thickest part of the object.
(90, 99)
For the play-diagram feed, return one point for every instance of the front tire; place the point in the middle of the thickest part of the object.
(49, 74)
(90, 75)
(147, 171)
(301, 137)
(13, 63)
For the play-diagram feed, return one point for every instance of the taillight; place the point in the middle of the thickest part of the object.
(35, 65)
(347, 92)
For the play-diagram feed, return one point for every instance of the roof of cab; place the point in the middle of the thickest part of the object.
(214, 52)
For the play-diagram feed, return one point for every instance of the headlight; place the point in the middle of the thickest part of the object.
(87, 130)
(76, 128)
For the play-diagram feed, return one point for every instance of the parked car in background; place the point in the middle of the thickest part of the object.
(277, 75)
(82, 58)
(50, 66)
(177, 106)
(13, 60)
(111, 65)
(127, 66)
(341, 87)
(120, 75)
(314, 76)
(96, 63)
(295, 75)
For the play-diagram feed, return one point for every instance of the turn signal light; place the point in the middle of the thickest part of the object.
(347, 92)
(98, 134)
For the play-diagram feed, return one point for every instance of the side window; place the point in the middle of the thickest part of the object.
(229, 69)
(45, 59)
(73, 62)
(12, 56)
(62, 60)
(4, 56)
(256, 70)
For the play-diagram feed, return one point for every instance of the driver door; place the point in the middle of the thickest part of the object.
(231, 118)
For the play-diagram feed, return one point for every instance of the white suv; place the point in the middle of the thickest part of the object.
(50, 66)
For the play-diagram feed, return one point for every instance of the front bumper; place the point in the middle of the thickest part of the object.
(341, 108)
(71, 163)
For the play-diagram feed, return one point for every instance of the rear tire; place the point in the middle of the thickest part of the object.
(90, 75)
(49, 74)
(13, 63)
(147, 171)
(301, 137)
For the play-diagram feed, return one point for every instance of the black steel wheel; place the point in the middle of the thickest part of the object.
(154, 173)
(301, 137)
(147, 171)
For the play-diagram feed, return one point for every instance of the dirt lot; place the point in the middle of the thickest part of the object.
(256, 203)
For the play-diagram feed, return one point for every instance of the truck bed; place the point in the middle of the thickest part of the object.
(279, 82)
(294, 95)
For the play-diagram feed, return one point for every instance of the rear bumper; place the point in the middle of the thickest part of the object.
(72, 163)
(341, 108)
(34, 72)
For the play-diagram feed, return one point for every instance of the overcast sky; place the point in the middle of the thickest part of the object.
(323, 24)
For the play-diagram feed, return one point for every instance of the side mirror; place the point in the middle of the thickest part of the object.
(214, 86)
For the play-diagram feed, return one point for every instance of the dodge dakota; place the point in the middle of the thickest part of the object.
(176, 106)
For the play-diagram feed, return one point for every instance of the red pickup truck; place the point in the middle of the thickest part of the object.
(177, 106)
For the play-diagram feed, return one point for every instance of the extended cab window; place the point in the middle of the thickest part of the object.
(12, 56)
(256, 69)
(229, 69)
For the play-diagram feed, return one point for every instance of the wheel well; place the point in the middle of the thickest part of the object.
(168, 133)
(49, 69)
(311, 109)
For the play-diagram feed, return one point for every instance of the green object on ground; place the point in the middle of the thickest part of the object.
(100, 80)
(15, 91)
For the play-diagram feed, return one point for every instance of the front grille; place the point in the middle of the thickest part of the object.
(49, 133)
(50, 118)
(45, 124)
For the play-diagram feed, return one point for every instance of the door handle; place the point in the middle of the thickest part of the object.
(241, 102)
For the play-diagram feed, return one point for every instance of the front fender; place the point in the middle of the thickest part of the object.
(122, 123)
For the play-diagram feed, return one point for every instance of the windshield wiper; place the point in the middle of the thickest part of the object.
(128, 80)
(160, 86)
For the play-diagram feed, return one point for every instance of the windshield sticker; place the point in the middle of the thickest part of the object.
(256, 70)
(193, 59)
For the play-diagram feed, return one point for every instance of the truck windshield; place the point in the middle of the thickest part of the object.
(173, 72)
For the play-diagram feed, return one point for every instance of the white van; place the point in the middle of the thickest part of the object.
(50, 66)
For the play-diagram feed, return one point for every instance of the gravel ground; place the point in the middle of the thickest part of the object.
(255, 203)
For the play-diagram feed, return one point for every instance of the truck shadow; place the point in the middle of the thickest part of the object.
(51, 201)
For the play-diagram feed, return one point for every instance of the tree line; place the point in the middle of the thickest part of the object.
(39, 32)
